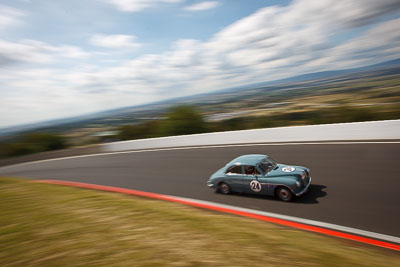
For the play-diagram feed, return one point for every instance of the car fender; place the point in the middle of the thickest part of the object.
(283, 185)
(286, 181)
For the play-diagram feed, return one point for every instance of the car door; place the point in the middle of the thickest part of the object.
(268, 184)
(251, 180)
(234, 176)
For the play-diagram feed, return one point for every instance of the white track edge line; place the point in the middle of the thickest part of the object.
(196, 147)
(300, 220)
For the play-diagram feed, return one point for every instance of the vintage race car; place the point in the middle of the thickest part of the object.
(259, 174)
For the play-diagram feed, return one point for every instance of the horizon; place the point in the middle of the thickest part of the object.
(59, 62)
(161, 102)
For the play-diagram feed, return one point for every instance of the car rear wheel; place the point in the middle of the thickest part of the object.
(224, 188)
(284, 194)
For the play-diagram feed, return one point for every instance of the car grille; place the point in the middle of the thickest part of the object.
(307, 178)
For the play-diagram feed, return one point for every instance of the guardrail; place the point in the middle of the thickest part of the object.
(374, 130)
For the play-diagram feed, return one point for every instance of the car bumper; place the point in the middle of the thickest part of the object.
(305, 188)
(210, 184)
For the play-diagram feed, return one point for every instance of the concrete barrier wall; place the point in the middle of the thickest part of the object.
(375, 130)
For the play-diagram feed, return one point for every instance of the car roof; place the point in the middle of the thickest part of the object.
(251, 159)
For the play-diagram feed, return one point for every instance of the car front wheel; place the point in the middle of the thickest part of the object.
(284, 194)
(224, 188)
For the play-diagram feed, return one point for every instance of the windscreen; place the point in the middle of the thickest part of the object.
(267, 164)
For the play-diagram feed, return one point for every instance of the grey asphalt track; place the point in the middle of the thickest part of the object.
(354, 185)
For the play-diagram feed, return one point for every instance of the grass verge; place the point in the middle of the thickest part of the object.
(50, 225)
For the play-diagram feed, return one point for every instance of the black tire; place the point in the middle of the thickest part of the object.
(284, 194)
(224, 188)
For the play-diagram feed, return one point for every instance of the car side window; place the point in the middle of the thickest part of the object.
(235, 169)
(251, 170)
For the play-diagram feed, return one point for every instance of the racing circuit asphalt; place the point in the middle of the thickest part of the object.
(354, 185)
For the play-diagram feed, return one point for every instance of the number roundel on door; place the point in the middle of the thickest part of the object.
(255, 186)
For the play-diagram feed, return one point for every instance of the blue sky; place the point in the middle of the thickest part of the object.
(68, 57)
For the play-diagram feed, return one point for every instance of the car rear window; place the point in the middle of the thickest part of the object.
(235, 169)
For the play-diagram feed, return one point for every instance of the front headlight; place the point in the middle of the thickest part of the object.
(298, 183)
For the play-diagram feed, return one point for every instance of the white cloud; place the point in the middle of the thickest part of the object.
(272, 43)
(118, 41)
(353, 13)
(138, 5)
(32, 51)
(286, 38)
(202, 6)
(381, 42)
(9, 16)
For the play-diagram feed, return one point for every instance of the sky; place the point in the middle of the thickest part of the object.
(66, 58)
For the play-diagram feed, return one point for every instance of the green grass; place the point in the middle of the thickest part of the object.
(51, 225)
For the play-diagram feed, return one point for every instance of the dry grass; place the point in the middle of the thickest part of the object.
(50, 225)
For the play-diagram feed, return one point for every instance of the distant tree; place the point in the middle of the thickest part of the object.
(15, 149)
(44, 141)
(183, 120)
(139, 131)
(233, 124)
(128, 132)
(348, 114)
(263, 122)
(32, 143)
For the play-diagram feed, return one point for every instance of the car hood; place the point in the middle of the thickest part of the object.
(286, 170)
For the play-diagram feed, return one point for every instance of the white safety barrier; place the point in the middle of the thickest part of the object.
(374, 130)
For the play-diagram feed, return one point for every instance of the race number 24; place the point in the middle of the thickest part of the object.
(255, 186)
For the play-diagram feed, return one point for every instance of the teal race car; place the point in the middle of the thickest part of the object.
(259, 174)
